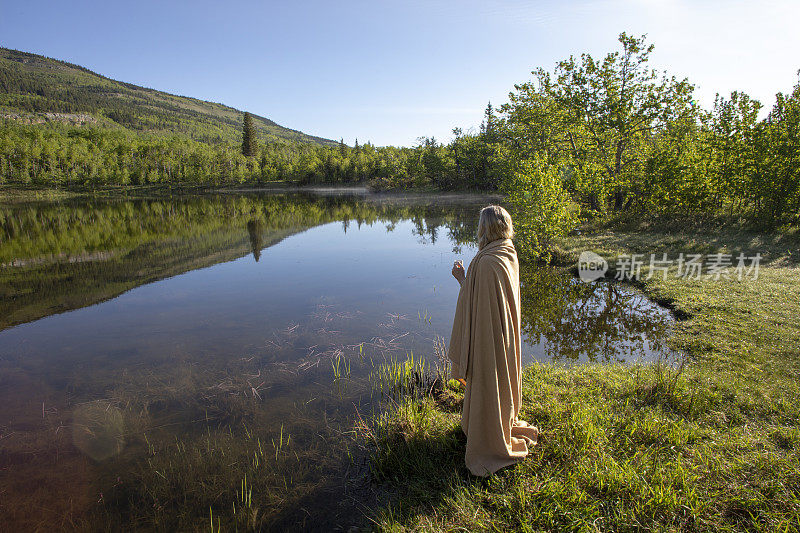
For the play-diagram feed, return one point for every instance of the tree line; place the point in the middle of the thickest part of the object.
(60, 155)
(622, 137)
(592, 136)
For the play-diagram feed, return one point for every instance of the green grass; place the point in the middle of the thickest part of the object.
(712, 447)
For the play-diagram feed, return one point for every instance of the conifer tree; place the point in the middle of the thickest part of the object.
(249, 143)
(488, 124)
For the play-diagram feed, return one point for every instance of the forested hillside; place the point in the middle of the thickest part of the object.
(36, 89)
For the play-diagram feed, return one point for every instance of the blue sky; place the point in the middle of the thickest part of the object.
(389, 71)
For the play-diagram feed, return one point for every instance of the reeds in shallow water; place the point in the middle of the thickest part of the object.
(396, 379)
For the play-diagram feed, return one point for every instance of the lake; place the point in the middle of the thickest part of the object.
(161, 359)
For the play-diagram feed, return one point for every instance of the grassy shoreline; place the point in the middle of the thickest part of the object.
(17, 194)
(714, 448)
(14, 193)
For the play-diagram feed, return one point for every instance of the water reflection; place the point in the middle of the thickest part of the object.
(203, 332)
(257, 232)
(600, 321)
(67, 255)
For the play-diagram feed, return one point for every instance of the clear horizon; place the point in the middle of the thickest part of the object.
(392, 72)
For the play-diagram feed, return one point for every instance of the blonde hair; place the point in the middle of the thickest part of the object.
(493, 224)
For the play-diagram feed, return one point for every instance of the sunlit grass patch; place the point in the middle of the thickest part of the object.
(610, 457)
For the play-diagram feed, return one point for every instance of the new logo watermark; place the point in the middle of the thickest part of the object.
(717, 266)
(591, 266)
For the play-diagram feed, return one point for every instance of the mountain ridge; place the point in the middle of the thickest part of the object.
(37, 89)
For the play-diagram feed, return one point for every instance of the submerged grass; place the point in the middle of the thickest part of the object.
(712, 444)
(174, 447)
(229, 462)
(247, 478)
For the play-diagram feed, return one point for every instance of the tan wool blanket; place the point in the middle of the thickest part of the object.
(485, 351)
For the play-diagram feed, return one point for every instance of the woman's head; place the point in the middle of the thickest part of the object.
(494, 223)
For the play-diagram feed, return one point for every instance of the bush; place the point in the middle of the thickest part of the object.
(542, 208)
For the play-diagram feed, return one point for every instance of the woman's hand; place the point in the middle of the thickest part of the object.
(458, 272)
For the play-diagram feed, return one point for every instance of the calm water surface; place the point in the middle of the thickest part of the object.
(134, 330)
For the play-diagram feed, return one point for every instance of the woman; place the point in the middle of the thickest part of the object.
(485, 349)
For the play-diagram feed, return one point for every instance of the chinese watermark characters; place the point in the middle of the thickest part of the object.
(715, 267)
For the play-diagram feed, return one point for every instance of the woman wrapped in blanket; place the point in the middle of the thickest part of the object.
(485, 349)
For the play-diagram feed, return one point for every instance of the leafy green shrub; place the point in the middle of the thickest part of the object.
(542, 208)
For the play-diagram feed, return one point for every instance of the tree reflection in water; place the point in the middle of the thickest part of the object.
(256, 230)
(600, 321)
